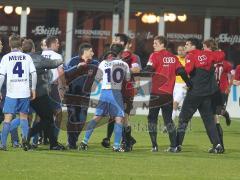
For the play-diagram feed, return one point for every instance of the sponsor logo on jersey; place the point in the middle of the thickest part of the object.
(202, 58)
(169, 60)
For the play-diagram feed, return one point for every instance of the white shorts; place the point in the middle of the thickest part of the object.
(179, 92)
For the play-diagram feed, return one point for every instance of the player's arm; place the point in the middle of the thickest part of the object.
(3, 72)
(2, 78)
(41, 62)
(181, 72)
(34, 84)
(236, 80)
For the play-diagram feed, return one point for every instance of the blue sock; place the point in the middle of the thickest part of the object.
(25, 128)
(117, 134)
(14, 136)
(15, 123)
(5, 131)
(89, 130)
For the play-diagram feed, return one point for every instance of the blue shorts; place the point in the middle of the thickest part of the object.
(15, 105)
(110, 104)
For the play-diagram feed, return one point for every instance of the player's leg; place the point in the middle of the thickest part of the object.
(189, 107)
(154, 109)
(110, 126)
(23, 108)
(8, 110)
(224, 112)
(171, 129)
(89, 130)
(127, 130)
(205, 110)
(118, 127)
(45, 112)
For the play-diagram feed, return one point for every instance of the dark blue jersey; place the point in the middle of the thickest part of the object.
(82, 84)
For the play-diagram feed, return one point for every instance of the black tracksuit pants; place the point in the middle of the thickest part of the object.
(42, 107)
(165, 103)
(190, 105)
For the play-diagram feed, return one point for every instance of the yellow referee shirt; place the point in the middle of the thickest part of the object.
(178, 78)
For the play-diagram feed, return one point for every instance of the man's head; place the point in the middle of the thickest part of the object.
(192, 44)
(15, 42)
(120, 38)
(181, 51)
(159, 43)
(43, 44)
(52, 43)
(28, 46)
(86, 51)
(210, 44)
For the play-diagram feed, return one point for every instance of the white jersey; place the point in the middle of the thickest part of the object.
(17, 66)
(112, 73)
(50, 54)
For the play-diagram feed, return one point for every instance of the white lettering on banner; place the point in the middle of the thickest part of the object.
(7, 28)
(50, 31)
(202, 58)
(169, 60)
(178, 37)
(231, 39)
(98, 34)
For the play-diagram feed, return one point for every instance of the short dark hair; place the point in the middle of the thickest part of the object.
(116, 48)
(162, 40)
(114, 51)
(195, 42)
(50, 40)
(28, 45)
(83, 47)
(123, 37)
(15, 41)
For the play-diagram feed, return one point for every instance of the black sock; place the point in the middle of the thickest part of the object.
(110, 128)
(152, 128)
(220, 133)
(172, 134)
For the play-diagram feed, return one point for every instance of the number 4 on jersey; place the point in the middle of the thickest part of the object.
(18, 69)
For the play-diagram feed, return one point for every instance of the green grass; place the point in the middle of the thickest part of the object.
(98, 163)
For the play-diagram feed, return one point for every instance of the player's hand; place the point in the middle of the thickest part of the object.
(1, 97)
(81, 64)
(33, 94)
(61, 92)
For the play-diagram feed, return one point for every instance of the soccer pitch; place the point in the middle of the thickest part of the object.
(98, 163)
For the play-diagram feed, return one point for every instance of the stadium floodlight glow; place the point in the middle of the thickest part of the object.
(18, 10)
(151, 19)
(166, 17)
(8, 9)
(172, 17)
(182, 18)
(144, 18)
